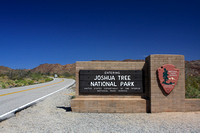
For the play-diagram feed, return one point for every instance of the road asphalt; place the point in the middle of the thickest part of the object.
(13, 100)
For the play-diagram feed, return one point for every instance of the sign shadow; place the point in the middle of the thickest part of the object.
(159, 85)
(68, 109)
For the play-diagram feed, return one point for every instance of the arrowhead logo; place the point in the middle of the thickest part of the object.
(168, 76)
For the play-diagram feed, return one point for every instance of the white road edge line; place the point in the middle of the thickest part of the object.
(2, 117)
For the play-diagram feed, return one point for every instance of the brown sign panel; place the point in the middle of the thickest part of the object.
(168, 76)
(107, 82)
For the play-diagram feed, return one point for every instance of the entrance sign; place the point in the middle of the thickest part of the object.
(108, 82)
(168, 77)
(132, 87)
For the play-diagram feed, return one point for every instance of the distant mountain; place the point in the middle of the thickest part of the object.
(126, 60)
(46, 68)
(131, 60)
(4, 69)
(192, 68)
(55, 68)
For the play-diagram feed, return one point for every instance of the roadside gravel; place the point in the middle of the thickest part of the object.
(53, 115)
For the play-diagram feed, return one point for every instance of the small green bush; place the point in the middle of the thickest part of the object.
(20, 77)
(192, 92)
(3, 85)
(36, 76)
(48, 79)
(192, 85)
(30, 82)
(67, 75)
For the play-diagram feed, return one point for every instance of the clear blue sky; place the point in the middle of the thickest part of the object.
(34, 32)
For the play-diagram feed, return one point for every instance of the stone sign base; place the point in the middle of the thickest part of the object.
(109, 105)
(153, 99)
(192, 105)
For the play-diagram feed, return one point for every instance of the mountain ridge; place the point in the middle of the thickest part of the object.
(192, 68)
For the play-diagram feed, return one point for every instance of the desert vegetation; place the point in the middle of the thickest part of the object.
(17, 78)
(192, 79)
(192, 85)
(67, 75)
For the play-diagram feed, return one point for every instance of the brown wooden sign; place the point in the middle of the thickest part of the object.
(108, 82)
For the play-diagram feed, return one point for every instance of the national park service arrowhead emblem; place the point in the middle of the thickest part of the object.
(168, 76)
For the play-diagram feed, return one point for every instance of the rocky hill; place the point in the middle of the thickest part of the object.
(192, 68)
(55, 68)
(4, 69)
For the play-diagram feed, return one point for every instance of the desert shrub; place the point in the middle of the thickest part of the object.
(11, 83)
(36, 76)
(30, 82)
(41, 81)
(48, 79)
(17, 74)
(67, 75)
(192, 92)
(2, 85)
(192, 85)
(20, 77)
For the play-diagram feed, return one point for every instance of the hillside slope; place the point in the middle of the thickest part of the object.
(192, 68)
(55, 68)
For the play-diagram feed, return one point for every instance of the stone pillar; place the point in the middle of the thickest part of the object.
(160, 102)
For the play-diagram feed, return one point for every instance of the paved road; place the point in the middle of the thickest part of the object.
(14, 99)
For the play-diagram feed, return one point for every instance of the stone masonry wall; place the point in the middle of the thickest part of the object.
(175, 101)
(192, 105)
(109, 103)
(153, 100)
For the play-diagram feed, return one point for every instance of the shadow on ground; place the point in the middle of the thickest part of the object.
(68, 109)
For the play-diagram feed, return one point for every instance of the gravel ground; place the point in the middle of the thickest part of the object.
(53, 115)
